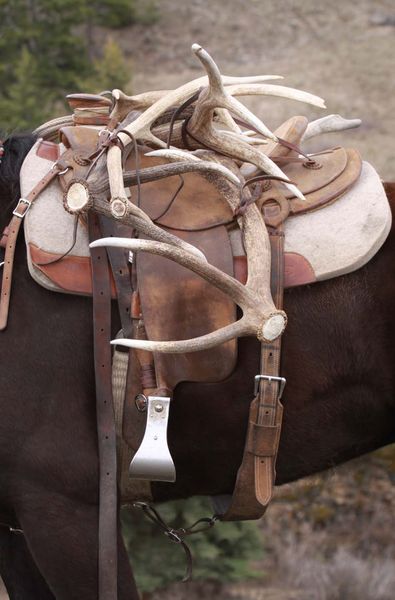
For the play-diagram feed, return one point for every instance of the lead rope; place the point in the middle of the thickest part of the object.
(177, 535)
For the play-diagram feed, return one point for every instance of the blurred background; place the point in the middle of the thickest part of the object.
(324, 538)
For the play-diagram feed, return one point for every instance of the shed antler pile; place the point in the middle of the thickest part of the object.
(201, 115)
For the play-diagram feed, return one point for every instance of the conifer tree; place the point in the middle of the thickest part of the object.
(49, 38)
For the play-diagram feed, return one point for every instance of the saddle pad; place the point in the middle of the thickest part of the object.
(334, 240)
(340, 237)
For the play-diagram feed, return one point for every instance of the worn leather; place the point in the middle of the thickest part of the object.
(178, 304)
(72, 274)
(106, 434)
(292, 131)
(340, 169)
(256, 474)
(199, 204)
(48, 150)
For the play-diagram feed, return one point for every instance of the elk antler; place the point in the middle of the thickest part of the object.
(199, 164)
(185, 162)
(124, 104)
(329, 124)
(260, 317)
(201, 128)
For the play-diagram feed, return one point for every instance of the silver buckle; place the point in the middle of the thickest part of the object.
(281, 380)
(24, 202)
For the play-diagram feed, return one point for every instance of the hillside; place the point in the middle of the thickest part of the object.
(340, 50)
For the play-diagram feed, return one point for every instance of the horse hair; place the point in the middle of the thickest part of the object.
(16, 148)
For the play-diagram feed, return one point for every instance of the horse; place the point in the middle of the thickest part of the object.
(338, 358)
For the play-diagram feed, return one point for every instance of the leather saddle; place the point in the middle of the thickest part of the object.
(175, 303)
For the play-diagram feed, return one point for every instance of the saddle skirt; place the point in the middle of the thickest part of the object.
(321, 244)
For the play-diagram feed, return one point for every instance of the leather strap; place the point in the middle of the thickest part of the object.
(256, 475)
(11, 235)
(107, 543)
(118, 258)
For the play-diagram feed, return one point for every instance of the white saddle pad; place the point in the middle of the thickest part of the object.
(335, 240)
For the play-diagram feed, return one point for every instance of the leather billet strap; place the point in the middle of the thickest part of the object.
(10, 238)
(256, 475)
(106, 435)
(119, 261)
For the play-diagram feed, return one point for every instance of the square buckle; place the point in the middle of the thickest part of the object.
(22, 202)
(281, 380)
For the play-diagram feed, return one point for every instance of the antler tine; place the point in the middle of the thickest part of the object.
(147, 227)
(201, 128)
(238, 137)
(179, 167)
(124, 103)
(141, 127)
(177, 155)
(234, 146)
(329, 124)
(280, 91)
(260, 317)
(224, 334)
(216, 96)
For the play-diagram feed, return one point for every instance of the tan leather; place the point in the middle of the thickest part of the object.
(297, 270)
(292, 131)
(81, 143)
(199, 205)
(90, 109)
(48, 150)
(178, 304)
(256, 475)
(340, 169)
(72, 274)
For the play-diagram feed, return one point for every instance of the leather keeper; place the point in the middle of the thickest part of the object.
(263, 439)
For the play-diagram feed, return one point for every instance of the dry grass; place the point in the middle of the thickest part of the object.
(342, 576)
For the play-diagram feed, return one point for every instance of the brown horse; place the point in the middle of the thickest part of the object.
(338, 358)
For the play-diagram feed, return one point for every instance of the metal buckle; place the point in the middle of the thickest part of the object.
(24, 202)
(281, 380)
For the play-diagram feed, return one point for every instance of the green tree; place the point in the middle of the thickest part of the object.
(48, 48)
(21, 106)
(114, 13)
(110, 71)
